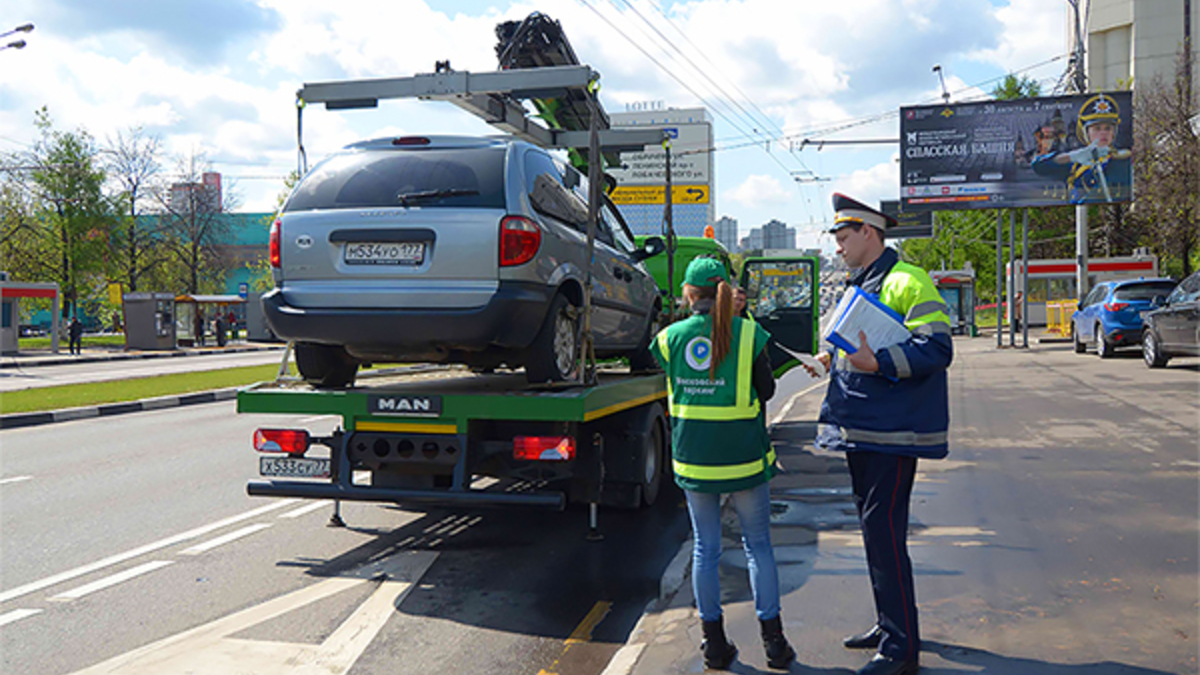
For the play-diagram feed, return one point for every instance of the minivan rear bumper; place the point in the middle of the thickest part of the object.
(510, 320)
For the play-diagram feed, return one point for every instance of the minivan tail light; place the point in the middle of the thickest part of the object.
(291, 441)
(411, 140)
(1115, 306)
(553, 448)
(275, 227)
(520, 239)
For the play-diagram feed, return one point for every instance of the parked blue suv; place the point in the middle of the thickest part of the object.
(1111, 315)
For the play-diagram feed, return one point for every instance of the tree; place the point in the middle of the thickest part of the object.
(133, 162)
(1166, 167)
(1014, 87)
(194, 225)
(261, 278)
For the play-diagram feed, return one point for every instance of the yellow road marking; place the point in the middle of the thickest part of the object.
(582, 633)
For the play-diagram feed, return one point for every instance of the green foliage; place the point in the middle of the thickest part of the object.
(1014, 87)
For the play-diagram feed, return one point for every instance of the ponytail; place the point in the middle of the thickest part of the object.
(722, 327)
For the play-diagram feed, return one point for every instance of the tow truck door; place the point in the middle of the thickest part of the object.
(782, 295)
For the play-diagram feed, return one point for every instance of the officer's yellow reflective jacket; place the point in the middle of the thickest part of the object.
(904, 408)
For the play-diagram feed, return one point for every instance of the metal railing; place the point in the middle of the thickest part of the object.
(1058, 316)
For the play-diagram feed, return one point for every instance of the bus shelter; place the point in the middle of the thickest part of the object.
(957, 288)
(11, 293)
(195, 315)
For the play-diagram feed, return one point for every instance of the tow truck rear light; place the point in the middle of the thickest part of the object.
(553, 448)
(290, 441)
(275, 227)
(1115, 306)
(520, 239)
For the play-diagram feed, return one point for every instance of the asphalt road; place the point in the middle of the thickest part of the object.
(12, 379)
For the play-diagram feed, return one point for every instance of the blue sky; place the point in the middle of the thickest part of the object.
(219, 77)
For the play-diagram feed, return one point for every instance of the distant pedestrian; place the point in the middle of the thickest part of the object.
(75, 336)
(1016, 310)
(219, 329)
(198, 328)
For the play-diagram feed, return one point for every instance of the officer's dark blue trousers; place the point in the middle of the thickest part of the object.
(882, 487)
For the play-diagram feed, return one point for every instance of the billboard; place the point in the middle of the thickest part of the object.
(910, 224)
(640, 194)
(1046, 151)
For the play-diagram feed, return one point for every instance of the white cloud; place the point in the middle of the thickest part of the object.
(872, 185)
(759, 190)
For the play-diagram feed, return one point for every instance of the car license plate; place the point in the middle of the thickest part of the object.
(295, 467)
(384, 253)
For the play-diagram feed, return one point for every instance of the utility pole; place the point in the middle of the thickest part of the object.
(669, 224)
(1079, 85)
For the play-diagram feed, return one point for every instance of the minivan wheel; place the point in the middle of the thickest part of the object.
(640, 359)
(325, 366)
(553, 356)
(1152, 351)
(1104, 348)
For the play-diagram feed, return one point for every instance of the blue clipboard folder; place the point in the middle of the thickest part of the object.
(862, 311)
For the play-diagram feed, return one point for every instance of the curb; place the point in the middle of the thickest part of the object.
(32, 419)
(35, 361)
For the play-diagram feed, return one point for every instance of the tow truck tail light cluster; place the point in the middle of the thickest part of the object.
(275, 227)
(520, 239)
(290, 441)
(552, 448)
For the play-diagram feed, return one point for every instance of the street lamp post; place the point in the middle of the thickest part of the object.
(16, 44)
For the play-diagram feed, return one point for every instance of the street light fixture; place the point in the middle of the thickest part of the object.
(19, 44)
(937, 68)
(16, 44)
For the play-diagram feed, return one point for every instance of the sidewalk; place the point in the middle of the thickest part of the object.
(44, 357)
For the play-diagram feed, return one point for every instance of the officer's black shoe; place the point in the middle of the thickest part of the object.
(779, 653)
(867, 640)
(718, 651)
(886, 665)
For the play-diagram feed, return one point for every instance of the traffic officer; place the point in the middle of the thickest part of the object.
(885, 408)
(718, 378)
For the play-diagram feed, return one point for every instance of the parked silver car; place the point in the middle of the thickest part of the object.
(455, 250)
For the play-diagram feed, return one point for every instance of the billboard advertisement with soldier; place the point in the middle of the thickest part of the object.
(1028, 152)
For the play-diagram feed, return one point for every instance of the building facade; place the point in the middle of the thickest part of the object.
(1136, 40)
(726, 232)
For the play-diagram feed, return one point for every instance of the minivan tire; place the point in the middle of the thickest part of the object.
(1152, 351)
(553, 355)
(325, 366)
(640, 359)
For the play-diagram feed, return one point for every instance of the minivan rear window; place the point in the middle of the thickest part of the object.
(470, 177)
(1145, 291)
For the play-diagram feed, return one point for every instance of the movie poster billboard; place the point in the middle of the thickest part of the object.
(1046, 151)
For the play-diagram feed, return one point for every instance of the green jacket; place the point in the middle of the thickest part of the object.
(718, 432)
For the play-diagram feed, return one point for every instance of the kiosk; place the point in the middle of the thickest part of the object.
(958, 290)
(11, 293)
(149, 320)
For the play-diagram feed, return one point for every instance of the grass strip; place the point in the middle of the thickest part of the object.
(38, 343)
(115, 391)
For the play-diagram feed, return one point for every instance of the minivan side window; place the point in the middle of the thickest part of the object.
(537, 163)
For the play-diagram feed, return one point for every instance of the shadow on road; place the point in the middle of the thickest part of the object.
(989, 663)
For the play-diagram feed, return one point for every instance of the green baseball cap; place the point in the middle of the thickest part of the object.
(705, 272)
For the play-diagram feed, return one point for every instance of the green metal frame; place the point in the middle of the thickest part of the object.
(494, 397)
(816, 298)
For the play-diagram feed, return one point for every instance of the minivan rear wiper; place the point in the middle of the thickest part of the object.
(406, 197)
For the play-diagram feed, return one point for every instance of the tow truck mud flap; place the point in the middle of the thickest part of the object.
(310, 490)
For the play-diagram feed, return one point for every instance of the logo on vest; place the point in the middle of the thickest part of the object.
(698, 353)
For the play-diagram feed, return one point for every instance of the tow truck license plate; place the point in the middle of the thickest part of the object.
(296, 467)
(385, 253)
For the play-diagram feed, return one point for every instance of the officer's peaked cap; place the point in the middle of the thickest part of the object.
(853, 212)
(1100, 108)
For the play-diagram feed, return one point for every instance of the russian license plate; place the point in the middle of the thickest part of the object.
(384, 253)
(295, 467)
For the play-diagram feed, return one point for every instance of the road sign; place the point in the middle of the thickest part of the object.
(656, 194)
(243, 290)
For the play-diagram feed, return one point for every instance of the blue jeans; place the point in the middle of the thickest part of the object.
(753, 508)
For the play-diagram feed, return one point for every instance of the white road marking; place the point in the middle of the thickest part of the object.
(224, 539)
(792, 402)
(113, 580)
(17, 615)
(14, 479)
(208, 649)
(141, 550)
(306, 509)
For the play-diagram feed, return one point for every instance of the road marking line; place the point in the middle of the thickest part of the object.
(17, 615)
(209, 649)
(113, 580)
(14, 479)
(792, 402)
(224, 539)
(306, 509)
(582, 633)
(142, 550)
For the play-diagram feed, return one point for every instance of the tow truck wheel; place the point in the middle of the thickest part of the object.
(553, 355)
(641, 359)
(653, 450)
(325, 366)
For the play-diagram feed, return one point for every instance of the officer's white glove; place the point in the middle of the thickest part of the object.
(1092, 154)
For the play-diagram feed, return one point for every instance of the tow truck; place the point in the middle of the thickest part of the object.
(437, 436)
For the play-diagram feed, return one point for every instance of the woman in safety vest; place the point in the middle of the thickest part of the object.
(718, 377)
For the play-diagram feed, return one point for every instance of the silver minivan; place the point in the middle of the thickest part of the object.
(452, 249)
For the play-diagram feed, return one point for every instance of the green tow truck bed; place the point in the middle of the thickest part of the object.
(428, 439)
